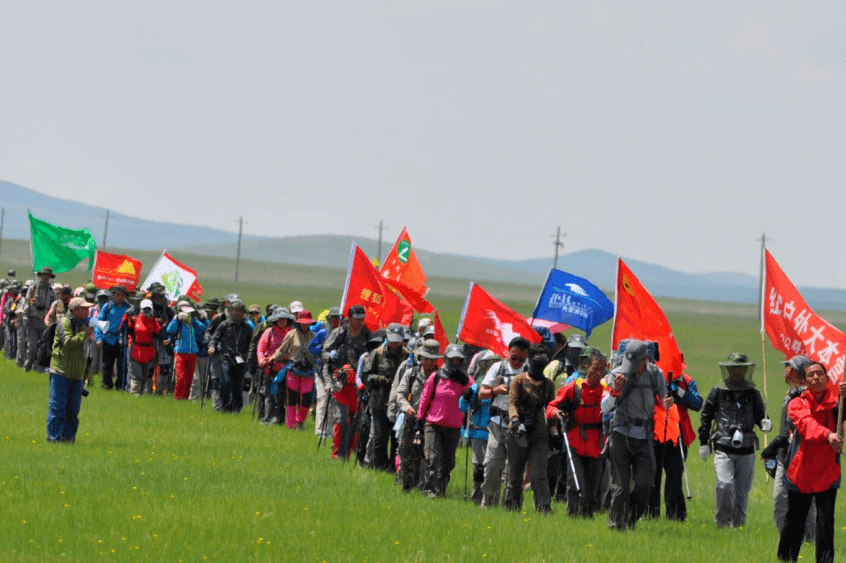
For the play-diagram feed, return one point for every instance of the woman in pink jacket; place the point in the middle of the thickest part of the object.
(271, 340)
(439, 420)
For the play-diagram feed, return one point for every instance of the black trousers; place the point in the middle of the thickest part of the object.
(794, 525)
(110, 354)
(668, 459)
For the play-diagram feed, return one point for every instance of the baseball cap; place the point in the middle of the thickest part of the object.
(798, 363)
(356, 312)
(395, 332)
(77, 302)
(636, 351)
(296, 306)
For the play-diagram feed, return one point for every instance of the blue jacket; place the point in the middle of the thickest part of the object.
(481, 415)
(187, 335)
(114, 315)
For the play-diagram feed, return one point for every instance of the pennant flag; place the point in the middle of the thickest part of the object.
(177, 278)
(639, 316)
(402, 265)
(440, 336)
(58, 247)
(573, 300)
(113, 269)
(366, 287)
(794, 328)
(488, 323)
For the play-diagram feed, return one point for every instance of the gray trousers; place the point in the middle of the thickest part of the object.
(439, 451)
(22, 342)
(494, 461)
(320, 408)
(479, 446)
(35, 328)
(734, 481)
(780, 506)
(201, 377)
(139, 376)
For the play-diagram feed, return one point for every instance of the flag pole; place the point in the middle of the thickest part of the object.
(763, 343)
(31, 252)
(542, 291)
(614, 322)
(347, 283)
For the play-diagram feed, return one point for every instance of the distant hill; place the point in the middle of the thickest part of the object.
(124, 231)
(333, 251)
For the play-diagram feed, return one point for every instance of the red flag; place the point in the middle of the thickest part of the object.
(637, 315)
(488, 323)
(440, 336)
(402, 265)
(417, 301)
(794, 328)
(366, 287)
(113, 269)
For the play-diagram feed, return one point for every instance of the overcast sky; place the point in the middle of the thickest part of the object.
(672, 132)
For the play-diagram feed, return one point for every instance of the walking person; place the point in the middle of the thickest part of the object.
(813, 464)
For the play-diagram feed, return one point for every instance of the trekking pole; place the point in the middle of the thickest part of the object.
(570, 458)
(254, 381)
(467, 447)
(207, 382)
(323, 424)
(684, 468)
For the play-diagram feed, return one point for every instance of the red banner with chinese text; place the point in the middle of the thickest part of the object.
(794, 328)
(637, 315)
(116, 269)
(488, 323)
(402, 265)
(367, 288)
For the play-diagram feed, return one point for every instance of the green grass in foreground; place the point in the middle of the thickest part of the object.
(154, 480)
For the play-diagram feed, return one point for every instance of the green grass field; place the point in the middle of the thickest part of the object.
(154, 480)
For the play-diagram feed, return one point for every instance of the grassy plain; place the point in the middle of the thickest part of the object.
(154, 480)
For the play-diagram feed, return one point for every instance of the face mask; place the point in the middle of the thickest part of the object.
(536, 367)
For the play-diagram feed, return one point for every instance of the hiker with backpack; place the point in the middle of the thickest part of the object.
(577, 410)
(439, 419)
(36, 303)
(109, 341)
(143, 330)
(726, 426)
(270, 339)
(67, 370)
(495, 386)
(187, 331)
(299, 363)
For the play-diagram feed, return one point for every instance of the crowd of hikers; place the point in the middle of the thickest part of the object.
(557, 417)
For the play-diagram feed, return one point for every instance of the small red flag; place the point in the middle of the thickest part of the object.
(637, 315)
(488, 323)
(366, 287)
(440, 336)
(417, 301)
(402, 265)
(794, 328)
(113, 269)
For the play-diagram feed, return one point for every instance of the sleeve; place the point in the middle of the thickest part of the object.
(316, 344)
(98, 334)
(709, 411)
(490, 376)
(172, 326)
(217, 336)
(426, 397)
(514, 396)
(331, 343)
(560, 402)
(801, 417)
(463, 405)
(692, 400)
(283, 353)
(262, 350)
(69, 339)
(403, 388)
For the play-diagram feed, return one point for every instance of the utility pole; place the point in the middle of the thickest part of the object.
(763, 240)
(557, 244)
(380, 228)
(106, 229)
(2, 219)
(238, 255)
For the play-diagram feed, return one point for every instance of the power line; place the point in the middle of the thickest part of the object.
(238, 254)
(380, 228)
(106, 229)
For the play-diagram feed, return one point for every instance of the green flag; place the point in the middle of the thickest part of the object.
(59, 248)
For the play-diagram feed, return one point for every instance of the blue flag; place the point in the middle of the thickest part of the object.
(574, 301)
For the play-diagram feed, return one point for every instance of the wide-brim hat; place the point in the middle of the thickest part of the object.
(736, 359)
(121, 288)
(430, 349)
(304, 317)
(46, 271)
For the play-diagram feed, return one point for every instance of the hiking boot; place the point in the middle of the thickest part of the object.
(546, 510)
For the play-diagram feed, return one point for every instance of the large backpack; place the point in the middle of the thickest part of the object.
(45, 346)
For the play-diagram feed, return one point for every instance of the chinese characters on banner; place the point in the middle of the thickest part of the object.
(794, 328)
(113, 269)
(366, 287)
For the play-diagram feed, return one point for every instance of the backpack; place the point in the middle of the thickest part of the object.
(45, 346)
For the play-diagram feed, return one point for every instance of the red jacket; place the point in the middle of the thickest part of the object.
(812, 466)
(585, 434)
